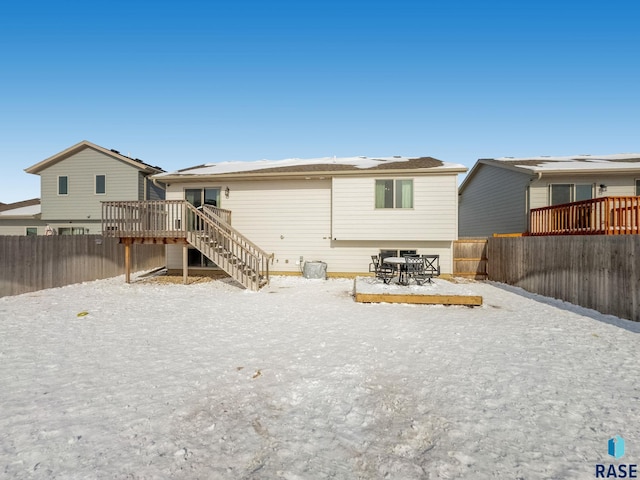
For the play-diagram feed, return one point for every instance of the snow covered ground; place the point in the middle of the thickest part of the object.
(298, 381)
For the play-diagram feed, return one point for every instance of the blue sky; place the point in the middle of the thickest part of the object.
(183, 83)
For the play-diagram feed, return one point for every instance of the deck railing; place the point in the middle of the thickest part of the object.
(140, 219)
(598, 216)
(206, 228)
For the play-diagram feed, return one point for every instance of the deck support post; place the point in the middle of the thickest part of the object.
(185, 261)
(127, 261)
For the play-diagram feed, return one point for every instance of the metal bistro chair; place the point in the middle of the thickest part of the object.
(382, 271)
(430, 269)
(414, 269)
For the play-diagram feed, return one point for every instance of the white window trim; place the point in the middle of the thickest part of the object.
(95, 183)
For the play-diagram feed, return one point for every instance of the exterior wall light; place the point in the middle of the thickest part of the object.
(226, 192)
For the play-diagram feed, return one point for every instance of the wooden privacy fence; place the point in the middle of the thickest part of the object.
(30, 263)
(595, 271)
(470, 258)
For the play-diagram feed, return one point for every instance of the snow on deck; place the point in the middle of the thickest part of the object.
(439, 291)
(297, 381)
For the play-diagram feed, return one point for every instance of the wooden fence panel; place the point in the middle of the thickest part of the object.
(470, 258)
(595, 271)
(30, 263)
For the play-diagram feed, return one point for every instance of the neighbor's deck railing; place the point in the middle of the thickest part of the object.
(598, 216)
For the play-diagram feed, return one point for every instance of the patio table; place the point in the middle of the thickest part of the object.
(399, 263)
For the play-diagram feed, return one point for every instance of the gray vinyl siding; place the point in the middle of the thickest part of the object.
(153, 192)
(82, 203)
(494, 201)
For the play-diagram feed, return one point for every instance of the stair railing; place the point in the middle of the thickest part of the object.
(227, 247)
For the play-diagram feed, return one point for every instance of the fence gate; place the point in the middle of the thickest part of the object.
(470, 258)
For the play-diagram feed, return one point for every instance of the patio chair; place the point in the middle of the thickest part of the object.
(415, 269)
(432, 264)
(382, 271)
(430, 268)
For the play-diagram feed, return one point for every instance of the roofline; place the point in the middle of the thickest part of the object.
(491, 162)
(304, 175)
(35, 216)
(21, 204)
(537, 172)
(140, 165)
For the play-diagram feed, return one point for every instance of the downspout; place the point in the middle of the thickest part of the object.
(527, 206)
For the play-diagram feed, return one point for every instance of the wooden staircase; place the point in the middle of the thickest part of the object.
(244, 261)
(206, 228)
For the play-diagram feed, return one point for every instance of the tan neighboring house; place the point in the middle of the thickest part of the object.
(498, 194)
(334, 210)
(21, 218)
(73, 183)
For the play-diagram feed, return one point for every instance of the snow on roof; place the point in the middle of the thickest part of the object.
(23, 208)
(29, 210)
(623, 161)
(323, 164)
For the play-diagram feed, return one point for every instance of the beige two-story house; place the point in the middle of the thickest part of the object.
(74, 182)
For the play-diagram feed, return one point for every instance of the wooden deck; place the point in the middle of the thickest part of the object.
(598, 216)
(205, 228)
(441, 292)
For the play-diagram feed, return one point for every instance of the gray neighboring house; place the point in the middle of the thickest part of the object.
(498, 193)
(74, 182)
(21, 218)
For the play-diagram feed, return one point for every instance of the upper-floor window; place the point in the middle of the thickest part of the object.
(560, 193)
(394, 193)
(63, 185)
(637, 187)
(101, 184)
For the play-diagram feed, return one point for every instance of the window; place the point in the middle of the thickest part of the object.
(637, 187)
(584, 192)
(63, 185)
(32, 231)
(73, 230)
(101, 184)
(394, 193)
(396, 253)
(560, 193)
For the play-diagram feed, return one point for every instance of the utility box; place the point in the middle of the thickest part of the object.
(315, 270)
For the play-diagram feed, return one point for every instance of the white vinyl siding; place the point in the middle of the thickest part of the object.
(292, 219)
(81, 169)
(433, 216)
